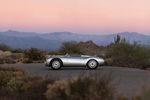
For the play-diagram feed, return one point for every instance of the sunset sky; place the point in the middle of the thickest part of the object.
(79, 16)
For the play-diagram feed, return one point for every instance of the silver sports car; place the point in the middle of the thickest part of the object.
(56, 62)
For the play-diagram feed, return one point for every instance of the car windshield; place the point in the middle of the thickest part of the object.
(76, 56)
(73, 55)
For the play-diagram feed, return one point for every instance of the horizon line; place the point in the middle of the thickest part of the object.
(9, 30)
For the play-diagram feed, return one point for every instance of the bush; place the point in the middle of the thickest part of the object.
(4, 47)
(109, 62)
(130, 55)
(52, 52)
(6, 73)
(81, 88)
(8, 57)
(2, 61)
(34, 54)
(19, 50)
(16, 84)
(27, 60)
(122, 98)
(70, 47)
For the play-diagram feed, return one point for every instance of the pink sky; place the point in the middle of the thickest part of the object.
(80, 16)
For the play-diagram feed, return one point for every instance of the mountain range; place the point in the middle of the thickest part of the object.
(25, 40)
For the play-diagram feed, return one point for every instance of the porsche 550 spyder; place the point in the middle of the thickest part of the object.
(91, 62)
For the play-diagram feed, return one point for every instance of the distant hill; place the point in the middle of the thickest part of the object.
(25, 40)
(18, 34)
(29, 42)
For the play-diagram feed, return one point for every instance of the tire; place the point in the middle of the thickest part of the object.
(56, 64)
(92, 64)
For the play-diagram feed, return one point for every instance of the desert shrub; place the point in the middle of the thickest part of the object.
(34, 54)
(8, 57)
(57, 91)
(109, 62)
(5, 47)
(53, 52)
(130, 55)
(27, 60)
(35, 88)
(17, 55)
(16, 84)
(19, 50)
(122, 98)
(81, 88)
(7, 73)
(9, 60)
(70, 47)
(2, 61)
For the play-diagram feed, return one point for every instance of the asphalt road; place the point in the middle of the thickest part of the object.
(127, 81)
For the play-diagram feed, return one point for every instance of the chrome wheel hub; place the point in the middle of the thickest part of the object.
(92, 64)
(56, 64)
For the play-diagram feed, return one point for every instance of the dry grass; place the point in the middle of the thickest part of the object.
(17, 84)
(8, 57)
(81, 88)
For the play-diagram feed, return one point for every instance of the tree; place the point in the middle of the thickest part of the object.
(117, 39)
(34, 54)
(5, 47)
(70, 47)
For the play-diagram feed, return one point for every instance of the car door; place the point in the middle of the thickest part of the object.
(74, 61)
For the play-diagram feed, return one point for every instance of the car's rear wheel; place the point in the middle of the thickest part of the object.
(56, 64)
(92, 64)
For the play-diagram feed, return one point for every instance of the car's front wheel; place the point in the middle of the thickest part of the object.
(56, 64)
(92, 64)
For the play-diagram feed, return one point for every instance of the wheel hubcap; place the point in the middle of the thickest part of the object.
(92, 64)
(56, 64)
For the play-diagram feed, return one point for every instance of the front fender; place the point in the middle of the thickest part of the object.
(47, 62)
